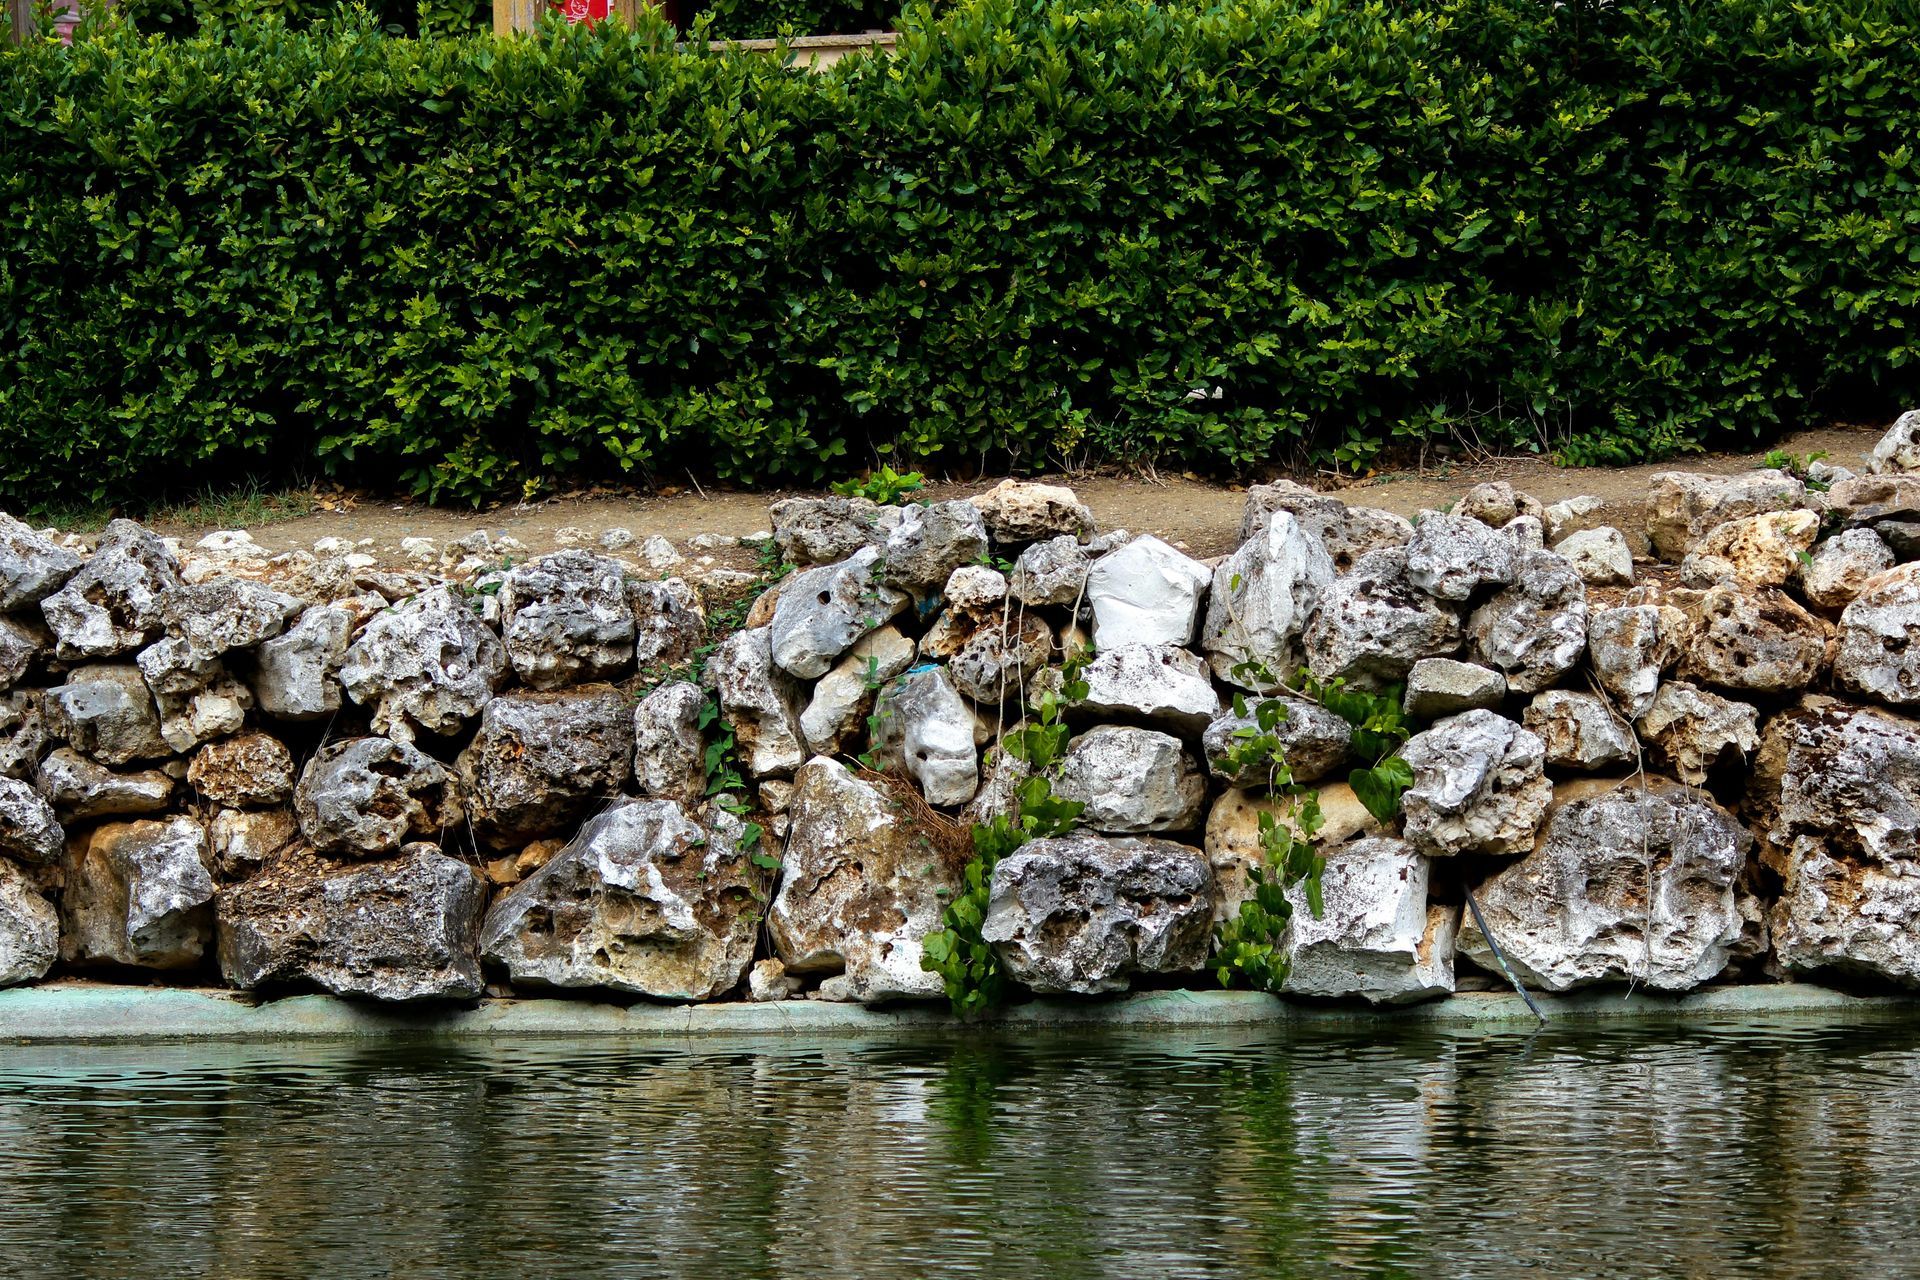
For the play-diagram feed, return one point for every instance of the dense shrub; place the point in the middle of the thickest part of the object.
(1210, 235)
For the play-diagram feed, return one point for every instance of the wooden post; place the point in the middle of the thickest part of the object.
(20, 19)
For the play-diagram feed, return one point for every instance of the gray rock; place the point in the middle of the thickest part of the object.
(1535, 630)
(1440, 687)
(1132, 781)
(930, 542)
(1630, 648)
(1689, 731)
(140, 894)
(1879, 653)
(669, 624)
(1450, 557)
(1262, 597)
(567, 619)
(1841, 566)
(1019, 512)
(79, 789)
(1347, 532)
(1159, 685)
(1899, 449)
(996, 663)
(403, 929)
(1313, 742)
(1753, 640)
(1685, 506)
(1756, 551)
(1866, 501)
(1579, 731)
(1600, 556)
(365, 797)
(218, 709)
(428, 662)
(1630, 885)
(23, 734)
(1233, 834)
(542, 761)
(668, 750)
(31, 566)
(926, 729)
(823, 530)
(204, 622)
(107, 712)
(758, 700)
(1376, 938)
(1496, 503)
(1570, 516)
(1050, 572)
(823, 612)
(1145, 593)
(244, 840)
(861, 888)
(836, 715)
(251, 771)
(112, 604)
(29, 926)
(1374, 624)
(22, 641)
(296, 675)
(29, 828)
(1479, 786)
(1081, 914)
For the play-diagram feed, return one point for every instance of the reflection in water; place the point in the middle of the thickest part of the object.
(1653, 1151)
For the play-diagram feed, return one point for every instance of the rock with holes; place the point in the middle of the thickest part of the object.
(1690, 732)
(1879, 653)
(1899, 449)
(668, 748)
(1451, 557)
(1861, 502)
(1311, 740)
(1497, 503)
(1050, 572)
(1164, 686)
(1019, 512)
(567, 619)
(1686, 506)
(998, 661)
(106, 711)
(22, 641)
(29, 829)
(1535, 630)
(1347, 532)
(29, 929)
(1634, 884)
(244, 840)
(863, 884)
(399, 930)
(218, 709)
(542, 761)
(930, 542)
(1840, 568)
(138, 894)
(1132, 781)
(23, 733)
(427, 663)
(32, 566)
(251, 771)
(835, 718)
(1579, 731)
(1753, 640)
(644, 900)
(296, 675)
(1145, 593)
(1373, 625)
(925, 728)
(1631, 648)
(1479, 786)
(80, 790)
(365, 797)
(1441, 687)
(1262, 597)
(1233, 834)
(759, 700)
(668, 623)
(1757, 551)
(1600, 556)
(1570, 515)
(204, 622)
(111, 605)
(822, 530)
(1081, 914)
(823, 612)
(1376, 938)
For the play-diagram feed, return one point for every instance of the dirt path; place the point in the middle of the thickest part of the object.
(1205, 517)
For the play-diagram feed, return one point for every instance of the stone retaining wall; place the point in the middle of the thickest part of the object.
(431, 782)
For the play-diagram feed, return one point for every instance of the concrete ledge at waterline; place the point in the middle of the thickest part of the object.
(76, 1011)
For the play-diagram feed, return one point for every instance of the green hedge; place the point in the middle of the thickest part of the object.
(1202, 235)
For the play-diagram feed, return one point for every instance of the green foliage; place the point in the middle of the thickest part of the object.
(1249, 947)
(1205, 234)
(759, 19)
(884, 486)
(1799, 465)
(1379, 727)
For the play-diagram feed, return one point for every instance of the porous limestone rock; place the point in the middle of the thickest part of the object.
(402, 929)
(1376, 938)
(1131, 781)
(1496, 503)
(1233, 834)
(1631, 647)
(1600, 556)
(1569, 516)
(669, 625)
(757, 699)
(79, 789)
(1050, 572)
(823, 611)
(1630, 884)
(1347, 532)
(822, 530)
(296, 675)
(204, 622)
(23, 733)
(1579, 731)
(106, 711)
(214, 711)
(1899, 449)
(244, 840)
(1756, 551)
(1479, 786)
(1753, 640)
(1879, 652)
(927, 729)
(138, 893)
(930, 542)
(1145, 593)
(364, 797)
(1164, 686)
(22, 641)
(1313, 742)
(1262, 596)
(1535, 630)
(1685, 506)
(32, 566)
(861, 887)
(1868, 501)
(251, 771)
(1374, 624)
(976, 590)
(1081, 914)
(29, 828)
(995, 664)
(1450, 557)
(112, 604)
(836, 715)
(567, 619)
(29, 927)
(667, 746)
(1689, 731)
(428, 662)
(1018, 511)
(1841, 566)
(541, 761)
(1439, 687)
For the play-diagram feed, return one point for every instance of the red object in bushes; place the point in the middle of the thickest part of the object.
(592, 11)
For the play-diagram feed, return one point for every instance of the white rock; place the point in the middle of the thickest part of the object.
(32, 566)
(1145, 593)
(1440, 687)
(667, 745)
(927, 729)
(1630, 648)
(567, 619)
(1312, 741)
(112, 604)
(1376, 939)
(296, 675)
(1450, 557)
(1567, 517)
(1899, 449)
(1161, 685)
(1132, 781)
(930, 542)
(1600, 556)
(1690, 732)
(427, 662)
(1262, 597)
(1373, 625)
(1478, 786)
(823, 611)
(29, 929)
(835, 717)
(138, 893)
(1841, 566)
(1051, 572)
(1535, 630)
(758, 700)
(1879, 654)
